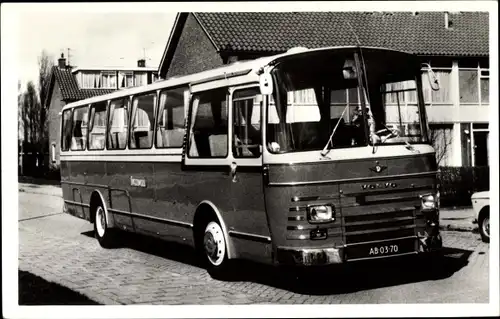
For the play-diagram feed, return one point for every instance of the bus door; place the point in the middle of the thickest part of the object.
(140, 177)
(116, 171)
(224, 155)
(78, 169)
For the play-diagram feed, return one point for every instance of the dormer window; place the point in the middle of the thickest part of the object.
(89, 80)
(108, 79)
(126, 79)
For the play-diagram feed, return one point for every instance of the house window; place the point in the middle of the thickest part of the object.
(108, 80)
(474, 84)
(140, 78)
(53, 152)
(484, 84)
(468, 86)
(441, 139)
(126, 79)
(170, 129)
(90, 80)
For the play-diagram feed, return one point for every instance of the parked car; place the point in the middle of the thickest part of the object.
(481, 207)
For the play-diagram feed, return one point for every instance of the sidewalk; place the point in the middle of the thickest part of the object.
(451, 218)
(457, 218)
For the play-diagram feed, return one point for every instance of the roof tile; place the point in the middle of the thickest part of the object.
(423, 33)
(70, 90)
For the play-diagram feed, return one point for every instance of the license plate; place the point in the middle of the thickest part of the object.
(380, 249)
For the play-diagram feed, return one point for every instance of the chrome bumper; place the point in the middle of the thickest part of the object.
(329, 256)
(310, 256)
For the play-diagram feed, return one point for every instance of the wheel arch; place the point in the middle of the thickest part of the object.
(205, 210)
(483, 212)
(96, 198)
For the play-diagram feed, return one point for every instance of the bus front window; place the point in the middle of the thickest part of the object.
(319, 98)
(314, 97)
(393, 82)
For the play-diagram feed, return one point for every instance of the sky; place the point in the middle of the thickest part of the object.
(94, 38)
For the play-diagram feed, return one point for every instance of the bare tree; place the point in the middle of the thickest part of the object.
(441, 141)
(45, 64)
(20, 123)
(31, 114)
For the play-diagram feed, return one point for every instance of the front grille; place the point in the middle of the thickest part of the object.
(379, 226)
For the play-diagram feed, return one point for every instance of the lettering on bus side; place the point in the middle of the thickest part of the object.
(137, 182)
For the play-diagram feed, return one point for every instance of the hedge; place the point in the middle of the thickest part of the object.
(457, 184)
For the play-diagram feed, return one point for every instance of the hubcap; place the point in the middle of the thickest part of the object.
(100, 221)
(486, 226)
(214, 244)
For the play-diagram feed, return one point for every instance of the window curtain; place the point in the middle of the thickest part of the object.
(121, 80)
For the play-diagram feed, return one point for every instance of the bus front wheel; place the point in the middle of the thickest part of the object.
(214, 249)
(104, 235)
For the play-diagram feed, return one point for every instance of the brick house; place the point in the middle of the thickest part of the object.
(456, 45)
(69, 84)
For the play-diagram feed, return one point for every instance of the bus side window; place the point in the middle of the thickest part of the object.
(97, 126)
(118, 124)
(170, 128)
(247, 104)
(209, 131)
(142, 121)
(79, 131)
(66, 130)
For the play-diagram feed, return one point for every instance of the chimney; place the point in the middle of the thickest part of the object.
(448, 24)
(141, 63)
(62, 62)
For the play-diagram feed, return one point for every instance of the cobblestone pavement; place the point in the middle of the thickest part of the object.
(61, 248)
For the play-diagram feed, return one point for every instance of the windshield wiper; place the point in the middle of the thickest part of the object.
(325, 150)
(394, 133)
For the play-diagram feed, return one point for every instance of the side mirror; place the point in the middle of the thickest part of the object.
(433, 80)
(349, 70)
(266, 83)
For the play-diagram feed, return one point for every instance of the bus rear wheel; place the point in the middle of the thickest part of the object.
(104, 235)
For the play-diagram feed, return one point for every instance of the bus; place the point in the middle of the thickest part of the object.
(310, 157)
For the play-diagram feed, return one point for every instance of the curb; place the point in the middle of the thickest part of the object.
(457, 228)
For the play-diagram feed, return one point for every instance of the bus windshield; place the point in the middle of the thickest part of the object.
(344, 99)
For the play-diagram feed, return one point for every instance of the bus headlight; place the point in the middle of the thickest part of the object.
(429, 201)
(321, 213)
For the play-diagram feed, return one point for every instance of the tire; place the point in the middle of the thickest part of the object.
(105, 236)
(214, 250)
(484, 227)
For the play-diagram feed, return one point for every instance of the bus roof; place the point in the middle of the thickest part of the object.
(235, 69)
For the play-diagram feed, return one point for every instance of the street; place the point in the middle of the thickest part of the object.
(62, 249)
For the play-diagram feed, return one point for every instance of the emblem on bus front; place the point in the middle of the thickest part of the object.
(378, 168)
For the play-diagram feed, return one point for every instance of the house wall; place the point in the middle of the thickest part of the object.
(195, 52)
(55, 106)
(465, 108)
